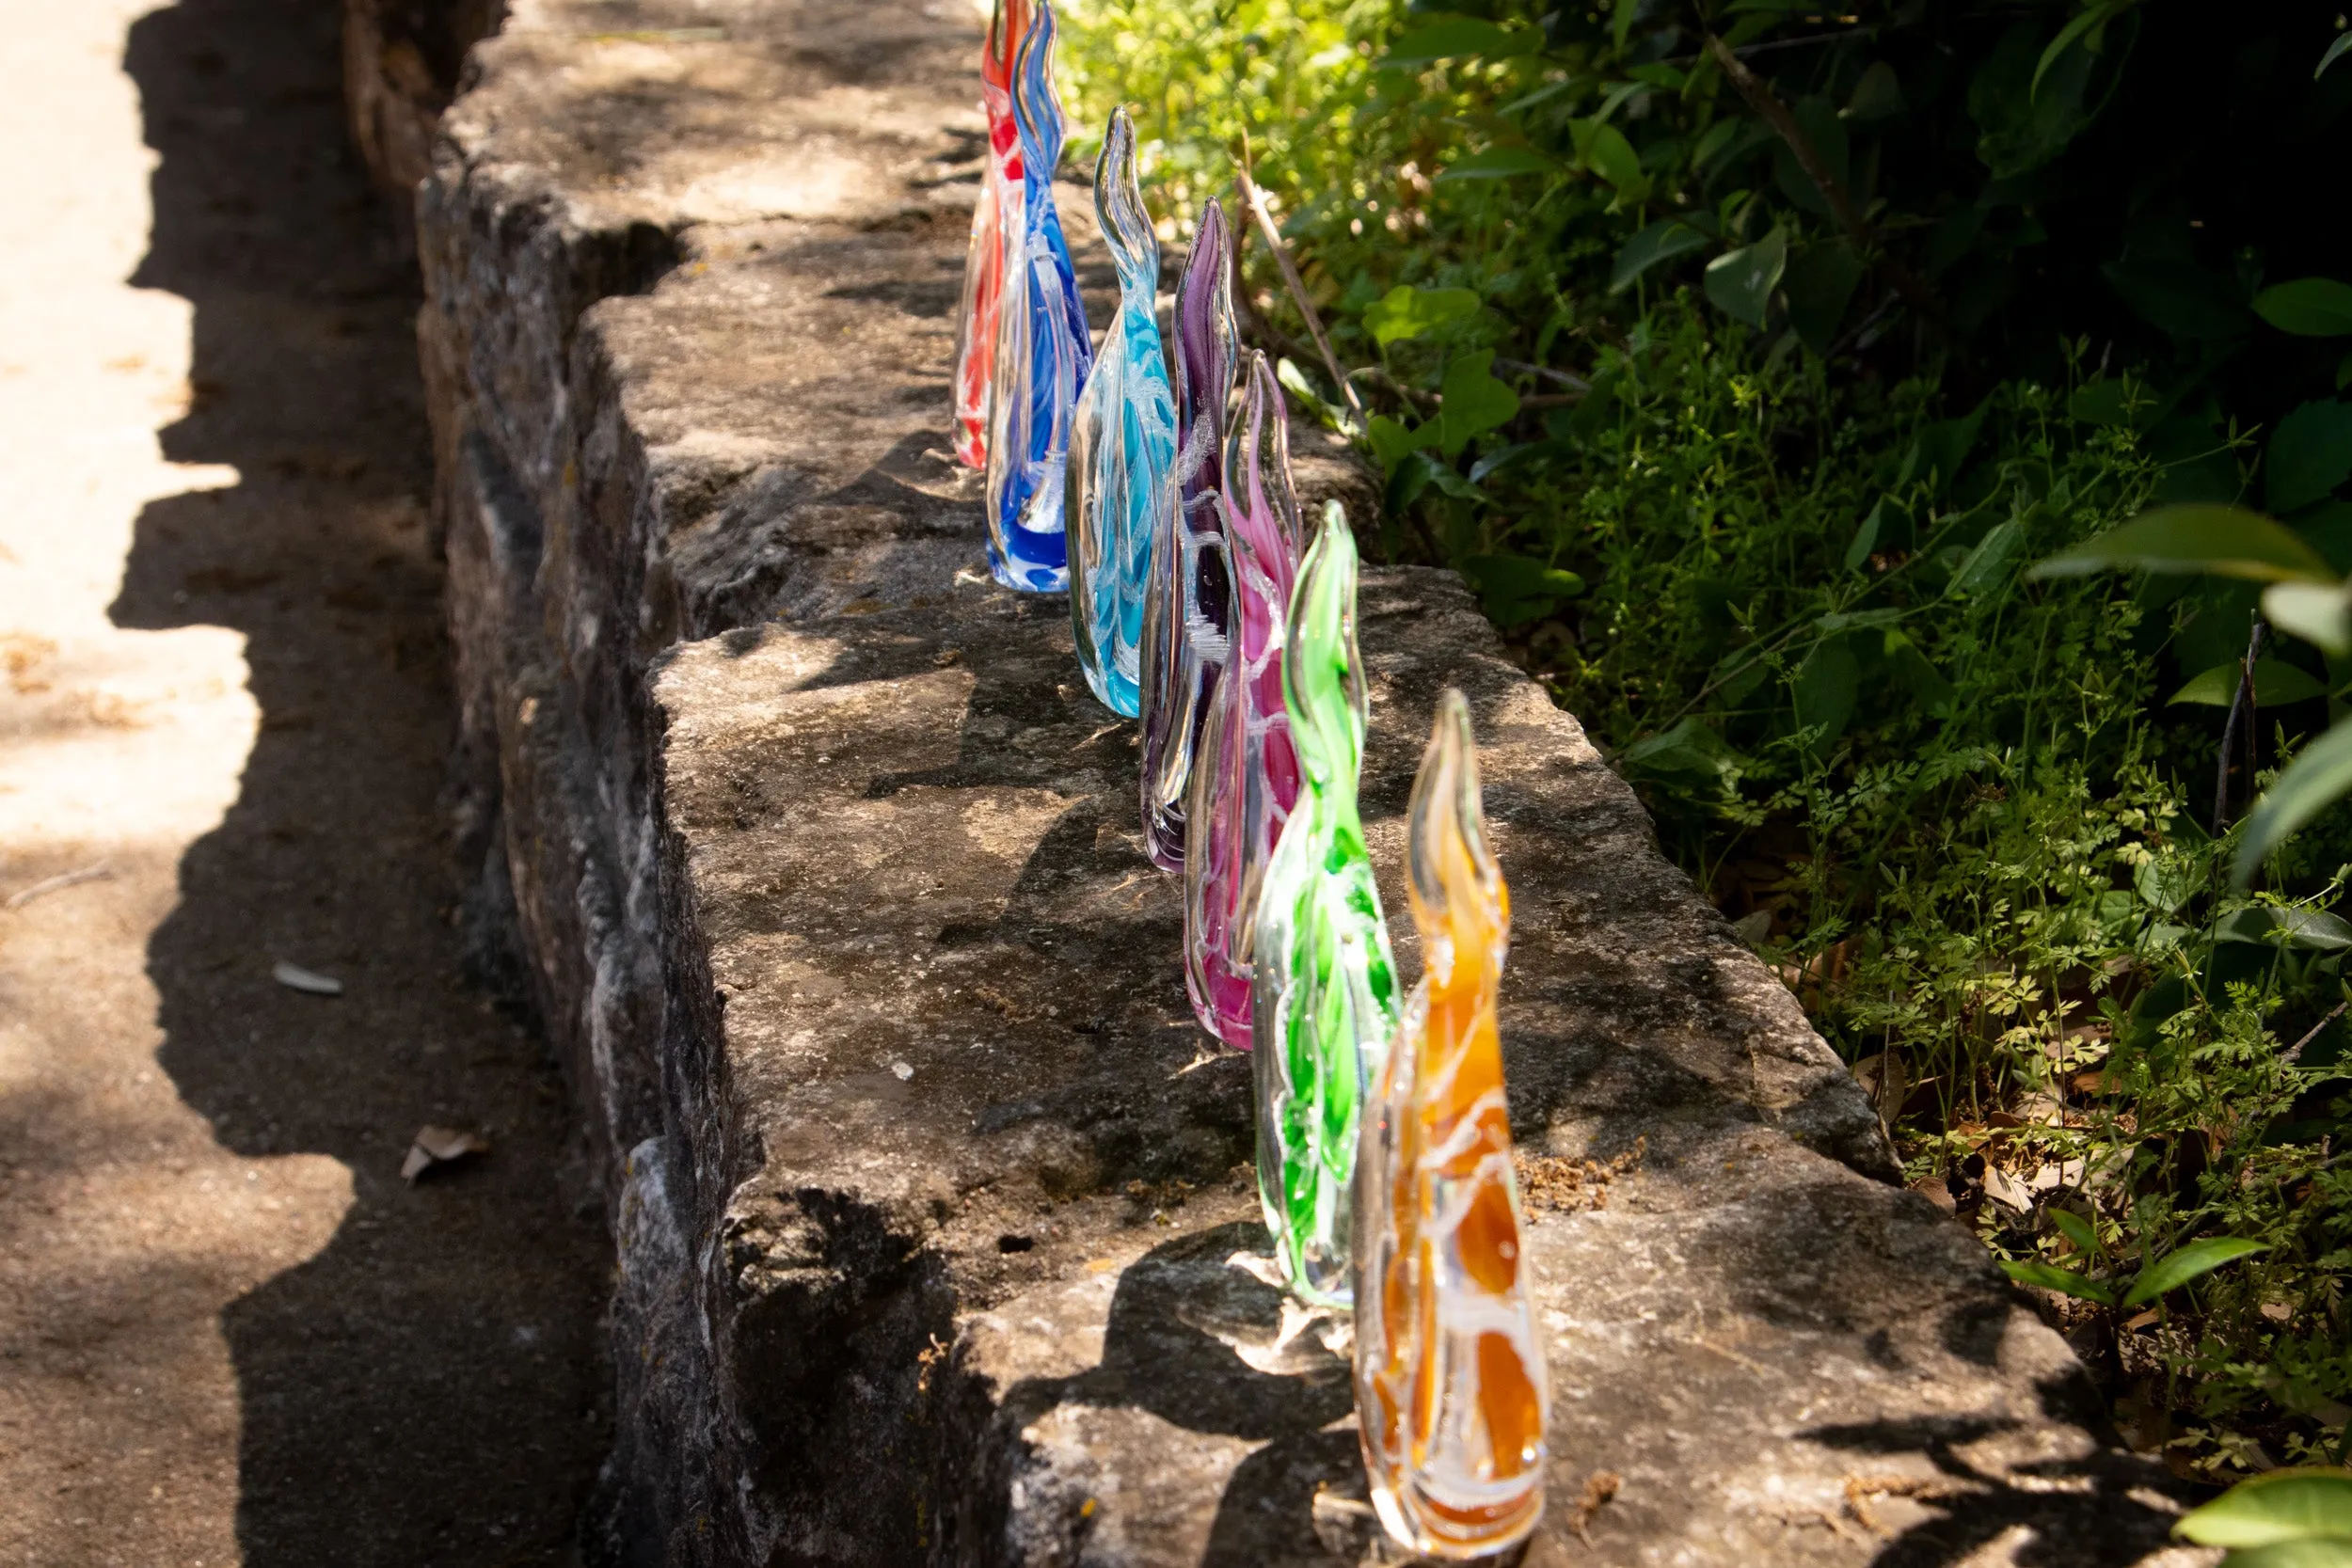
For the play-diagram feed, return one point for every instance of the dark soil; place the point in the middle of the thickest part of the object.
(427, 1389)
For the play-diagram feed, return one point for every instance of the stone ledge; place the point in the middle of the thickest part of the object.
(949, 1010)
(773, 797)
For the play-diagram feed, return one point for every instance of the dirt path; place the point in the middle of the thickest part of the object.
(229, 1332)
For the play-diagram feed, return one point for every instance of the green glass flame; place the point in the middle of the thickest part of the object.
(1324, 981)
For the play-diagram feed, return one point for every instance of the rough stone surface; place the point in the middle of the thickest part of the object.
(934, 1233)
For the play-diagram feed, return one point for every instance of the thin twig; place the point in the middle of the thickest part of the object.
(2294, 1051)
(1776, 114)
(64, 879)
(1575, 383)
(2242, 704)
(1254, 199)
(1410, 394)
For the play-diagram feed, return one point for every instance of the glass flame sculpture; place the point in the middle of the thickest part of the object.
(1244, 776)
(1323, 983)
(1122, 446)
(1450, 1382)
(984, 260)
(1043, 351)
(1184, 611)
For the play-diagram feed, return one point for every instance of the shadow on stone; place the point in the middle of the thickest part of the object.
(2085, 1513)
(1197, 1340)
(427, 1387)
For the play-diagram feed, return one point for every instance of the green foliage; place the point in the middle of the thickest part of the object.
(1746, 404)
(2299, 1519)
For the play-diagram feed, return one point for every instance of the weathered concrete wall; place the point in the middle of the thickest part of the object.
(934, 1228)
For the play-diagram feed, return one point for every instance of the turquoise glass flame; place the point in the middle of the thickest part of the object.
(1042, 350)
(1123, 446)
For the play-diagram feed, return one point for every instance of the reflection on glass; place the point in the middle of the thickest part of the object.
(1123, 447)
(1042, 351)
(1245, 772)
(1185, 612)
(1450, 1385)
(1323, 983)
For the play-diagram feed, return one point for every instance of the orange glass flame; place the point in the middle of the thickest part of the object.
(1448, 1373)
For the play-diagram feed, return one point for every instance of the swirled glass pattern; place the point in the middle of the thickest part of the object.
(1185, 612)
(1123, 446)
(1450, 1380)
(984, 256)
(1323, 983)
(1245, 771)
(1043, 349)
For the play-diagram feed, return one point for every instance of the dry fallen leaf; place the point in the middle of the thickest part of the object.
(2007, 1190)
(2060, 1172)
(1938, 1192)
(295, 978)
(439, 1145)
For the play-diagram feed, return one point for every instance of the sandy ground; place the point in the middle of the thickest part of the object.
(229, 1331)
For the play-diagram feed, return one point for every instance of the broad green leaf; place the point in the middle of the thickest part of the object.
(2193, 1261)
(2023, 125)
(2316, 779)
(1662, 241)
(2262, 925)
(1877, 96)
(1916, 674)
(1301, 387)
(2309, 454)
(2318, 615)
(1821, 282)
(2074, 1228)
(1818, 120)
(2167, 882)
(1825, 690)
(1613, 157)
(1516, 589)
(1405, 312)
(2223, 540)
(2344, 42)
(2314, 1503)
(1741, 283)
(2309, 307)
(2314, 930)
(1453, 36)
(2180, 298)
(2065, 1281)
(1474, 401)
(1621, 22)
(1690, 756)
(1942, 448)
(1499, 163)
(2317, 1551)
(2093, 17)
(1866, 538)
(2275, 684)
(1391, 440)
(1409, 476)
(1984, 567)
